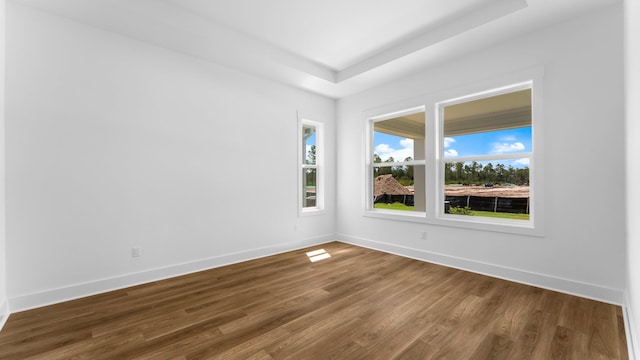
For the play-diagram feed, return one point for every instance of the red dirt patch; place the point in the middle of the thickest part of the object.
(495, 191)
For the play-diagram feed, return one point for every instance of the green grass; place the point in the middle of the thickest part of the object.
(490, 214)
(394, 206)
(500, 215)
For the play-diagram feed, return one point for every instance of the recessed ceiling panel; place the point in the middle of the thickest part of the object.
(335, 33)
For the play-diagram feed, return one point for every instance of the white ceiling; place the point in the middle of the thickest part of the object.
(331, 47)
(334, 33)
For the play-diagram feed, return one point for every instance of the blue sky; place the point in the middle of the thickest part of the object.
(486, 143)
(310, 141)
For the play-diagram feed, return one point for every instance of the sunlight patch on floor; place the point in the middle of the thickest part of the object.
(317, 255)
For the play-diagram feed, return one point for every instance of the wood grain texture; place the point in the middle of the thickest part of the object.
(357, 304)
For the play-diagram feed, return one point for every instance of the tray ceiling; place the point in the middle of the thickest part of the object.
(333, 47)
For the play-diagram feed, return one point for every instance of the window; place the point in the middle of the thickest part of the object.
(311, 172)
(485, 154)
(474, 163)
(397, 162)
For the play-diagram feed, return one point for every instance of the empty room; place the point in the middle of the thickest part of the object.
(417, 179)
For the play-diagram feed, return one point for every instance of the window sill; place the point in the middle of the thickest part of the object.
(311, 212)
(411, 216)
(519, 227)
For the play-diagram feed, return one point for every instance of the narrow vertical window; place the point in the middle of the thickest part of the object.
(311, 172)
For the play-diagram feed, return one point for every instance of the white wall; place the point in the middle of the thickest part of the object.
(632, 76)
(114, 144)
(4, 310)
(583, 248)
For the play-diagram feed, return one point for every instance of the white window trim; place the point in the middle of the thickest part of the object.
(434, 184)
(319, 209)
(369, 165)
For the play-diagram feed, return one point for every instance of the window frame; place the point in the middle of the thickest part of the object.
(434, 156)
(318, 166)
(370, 165)
(441, 159)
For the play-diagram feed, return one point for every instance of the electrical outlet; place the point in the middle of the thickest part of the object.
(135, 252)
(423, 235)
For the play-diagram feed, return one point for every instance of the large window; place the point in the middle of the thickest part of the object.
(470, 161)
(311, 188)
(486, 150)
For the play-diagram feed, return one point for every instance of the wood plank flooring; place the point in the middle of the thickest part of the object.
(357, 304)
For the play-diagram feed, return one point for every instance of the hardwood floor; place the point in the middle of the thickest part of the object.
(357, 304)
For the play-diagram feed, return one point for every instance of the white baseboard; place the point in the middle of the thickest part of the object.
(633, 343)
(52, 296)
(590, 291)
(4, 312)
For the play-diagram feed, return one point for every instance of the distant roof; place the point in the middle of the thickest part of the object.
(482, 191)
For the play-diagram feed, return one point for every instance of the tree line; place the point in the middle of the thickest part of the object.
(310, 174)
(475, 173)
(459, 173)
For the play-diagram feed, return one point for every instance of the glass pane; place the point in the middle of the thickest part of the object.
(488, 143)
(309, 142)
(498, 189)
(391, 148)
(494, 125)
(399, 139)
(309, 191)
(399, 188)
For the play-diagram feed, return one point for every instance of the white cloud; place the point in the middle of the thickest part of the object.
(502, 148)
(385, 151)
(523, 162)
(407, 143)
(450, 153)
(448, 141)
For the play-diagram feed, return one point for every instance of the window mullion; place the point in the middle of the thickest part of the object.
(403, 163)
(432, 170)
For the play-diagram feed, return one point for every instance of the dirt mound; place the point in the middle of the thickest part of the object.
(386, 184)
